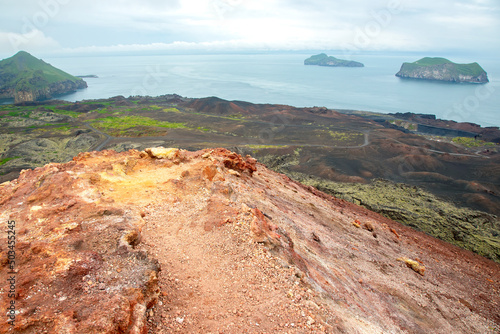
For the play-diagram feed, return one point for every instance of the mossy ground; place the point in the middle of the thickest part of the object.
(421, 210)
(471, 142)
(410, 205)
(4, 161)
(124, 126)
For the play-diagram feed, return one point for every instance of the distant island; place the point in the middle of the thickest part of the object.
(26, 78)
(324, 60)
(442, 69)
(87, 76)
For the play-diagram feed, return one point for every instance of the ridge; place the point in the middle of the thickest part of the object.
(170, 240)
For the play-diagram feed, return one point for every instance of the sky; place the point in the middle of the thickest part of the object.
(109, 26)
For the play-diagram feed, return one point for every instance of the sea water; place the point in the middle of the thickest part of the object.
(282, 78)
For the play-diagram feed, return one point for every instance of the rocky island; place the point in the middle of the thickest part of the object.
(324, 60)
(25, 78)
(442, 69)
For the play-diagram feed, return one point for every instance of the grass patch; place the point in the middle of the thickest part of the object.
(471, 142)
(127, 122)
(65, 128)
(171, 110)
(23, 114)
(204, 129)
(341, 136)
(70, 113)
(4, 161)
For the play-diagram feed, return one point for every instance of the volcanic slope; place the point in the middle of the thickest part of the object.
(166, 240)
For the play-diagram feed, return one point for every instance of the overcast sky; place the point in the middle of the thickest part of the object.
(75, 26)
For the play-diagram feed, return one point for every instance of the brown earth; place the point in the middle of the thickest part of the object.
(241, 249)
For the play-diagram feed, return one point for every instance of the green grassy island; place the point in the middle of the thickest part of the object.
(25, 78)
(324, 60)
(442, 69)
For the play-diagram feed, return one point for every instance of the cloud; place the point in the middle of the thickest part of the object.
(33, 41)
(264, 24)
(182, 46)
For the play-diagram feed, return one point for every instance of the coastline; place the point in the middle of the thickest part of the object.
(283, 79)
(426, 121)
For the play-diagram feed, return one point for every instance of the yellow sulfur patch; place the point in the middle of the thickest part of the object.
(162, 152)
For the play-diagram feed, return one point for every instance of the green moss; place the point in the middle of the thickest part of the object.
(345, 136)
(20, 113)
(126, 122)
(471, 142)
(70, 113)
(175, 110)
(5, 160)
(64, 129)
(413, 206)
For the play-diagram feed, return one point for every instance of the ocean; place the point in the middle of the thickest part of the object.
(282, 78)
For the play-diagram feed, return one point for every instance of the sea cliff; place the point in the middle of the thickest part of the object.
(442, 69)
(25, 78)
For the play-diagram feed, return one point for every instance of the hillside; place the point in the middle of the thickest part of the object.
(324, 60)
(166, 240)
(443, 69)
(442, 187)
(26, 78)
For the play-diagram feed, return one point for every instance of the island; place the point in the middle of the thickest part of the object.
(324, 60)
(26, 78)
(442, 69)
(87, 76)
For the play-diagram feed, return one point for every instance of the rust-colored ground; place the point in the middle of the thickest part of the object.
(241, 249)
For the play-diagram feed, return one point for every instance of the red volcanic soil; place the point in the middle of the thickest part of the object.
(209, 241)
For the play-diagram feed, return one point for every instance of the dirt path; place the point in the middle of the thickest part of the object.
(104, 142)
(217, 279)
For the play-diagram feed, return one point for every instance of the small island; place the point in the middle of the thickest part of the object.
(25, 78)
(324, 60)
(442, 69)
(87, 76)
